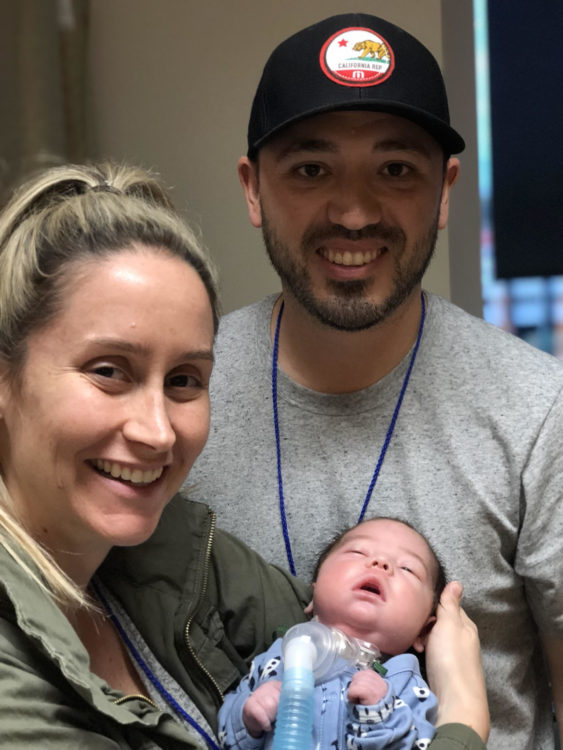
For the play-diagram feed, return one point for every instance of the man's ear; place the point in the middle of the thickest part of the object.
(248, 176)
(450, 178)
(420, 641)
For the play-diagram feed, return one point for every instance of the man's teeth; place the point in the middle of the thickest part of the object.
(135, 476)
(348, 258)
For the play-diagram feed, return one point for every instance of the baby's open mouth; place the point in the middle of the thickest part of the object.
(371, 587)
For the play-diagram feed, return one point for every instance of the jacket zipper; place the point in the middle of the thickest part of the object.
(134, 696)
(193, 654)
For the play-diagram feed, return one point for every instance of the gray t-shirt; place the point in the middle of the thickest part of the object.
(475, 463)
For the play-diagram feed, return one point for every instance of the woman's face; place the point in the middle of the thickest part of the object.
(112, 406)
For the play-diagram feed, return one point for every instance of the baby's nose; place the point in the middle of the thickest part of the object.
(382, 563)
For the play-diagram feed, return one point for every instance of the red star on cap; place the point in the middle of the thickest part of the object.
(342, 43)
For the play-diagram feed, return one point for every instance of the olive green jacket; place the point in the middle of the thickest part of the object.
(204, 603)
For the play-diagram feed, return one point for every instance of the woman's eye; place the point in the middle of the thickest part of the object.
(107, 376)
(183, 386)
(107, 371)
(182, 380)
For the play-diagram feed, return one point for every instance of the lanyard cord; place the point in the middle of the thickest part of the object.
(384, 447)
(150, 676)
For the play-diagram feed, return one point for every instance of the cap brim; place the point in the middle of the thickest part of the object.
(448, 138)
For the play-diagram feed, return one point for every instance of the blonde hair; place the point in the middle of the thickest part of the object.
(60, 218)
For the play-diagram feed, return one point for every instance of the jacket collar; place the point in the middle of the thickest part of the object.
(169, 564)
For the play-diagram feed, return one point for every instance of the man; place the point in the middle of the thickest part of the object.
(353, 393)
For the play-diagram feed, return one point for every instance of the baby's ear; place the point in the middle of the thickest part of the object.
(420, 640)
(309, 608)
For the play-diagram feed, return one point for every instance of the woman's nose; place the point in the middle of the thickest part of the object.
(148, 422)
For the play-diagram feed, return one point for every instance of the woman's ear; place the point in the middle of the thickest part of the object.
(420, 641)
(4, 389)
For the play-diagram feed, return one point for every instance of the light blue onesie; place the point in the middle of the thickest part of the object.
(402, 720)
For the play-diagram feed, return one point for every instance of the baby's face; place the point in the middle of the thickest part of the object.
(378, 585)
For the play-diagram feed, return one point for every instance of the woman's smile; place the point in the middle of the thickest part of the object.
(126, 473)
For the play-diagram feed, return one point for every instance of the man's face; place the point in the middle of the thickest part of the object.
(350, 204)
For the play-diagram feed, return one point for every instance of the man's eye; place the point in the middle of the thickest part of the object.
(397, 169)
(310, 170)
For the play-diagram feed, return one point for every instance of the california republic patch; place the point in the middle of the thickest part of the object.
(357, 57)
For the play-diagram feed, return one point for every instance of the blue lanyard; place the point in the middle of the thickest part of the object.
(153, 679)
(384, 447)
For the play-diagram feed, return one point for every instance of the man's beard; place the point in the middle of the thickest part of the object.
(349, 308)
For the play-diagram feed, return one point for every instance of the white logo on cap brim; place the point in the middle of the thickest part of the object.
(356, 56)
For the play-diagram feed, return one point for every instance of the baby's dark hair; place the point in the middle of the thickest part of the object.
(440, 579)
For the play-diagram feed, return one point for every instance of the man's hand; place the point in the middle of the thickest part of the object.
(367, 687)
(261, 708)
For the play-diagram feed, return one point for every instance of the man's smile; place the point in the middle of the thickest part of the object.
(349, 258)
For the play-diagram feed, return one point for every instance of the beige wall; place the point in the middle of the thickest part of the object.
(172, 84)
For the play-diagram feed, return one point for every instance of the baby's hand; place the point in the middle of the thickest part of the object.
(367, 687)
(261, 708)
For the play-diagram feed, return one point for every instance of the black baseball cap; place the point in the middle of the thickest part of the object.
(351, 61)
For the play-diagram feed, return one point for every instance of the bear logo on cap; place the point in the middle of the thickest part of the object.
(357, 56)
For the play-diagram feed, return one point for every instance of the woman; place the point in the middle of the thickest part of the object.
(124, 616)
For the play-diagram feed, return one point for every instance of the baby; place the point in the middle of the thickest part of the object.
(378, 582)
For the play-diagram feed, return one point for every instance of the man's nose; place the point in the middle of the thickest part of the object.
(354, 205)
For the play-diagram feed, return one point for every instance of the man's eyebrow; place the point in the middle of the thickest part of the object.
(322, 145)
(401, 144)
(312, 145)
